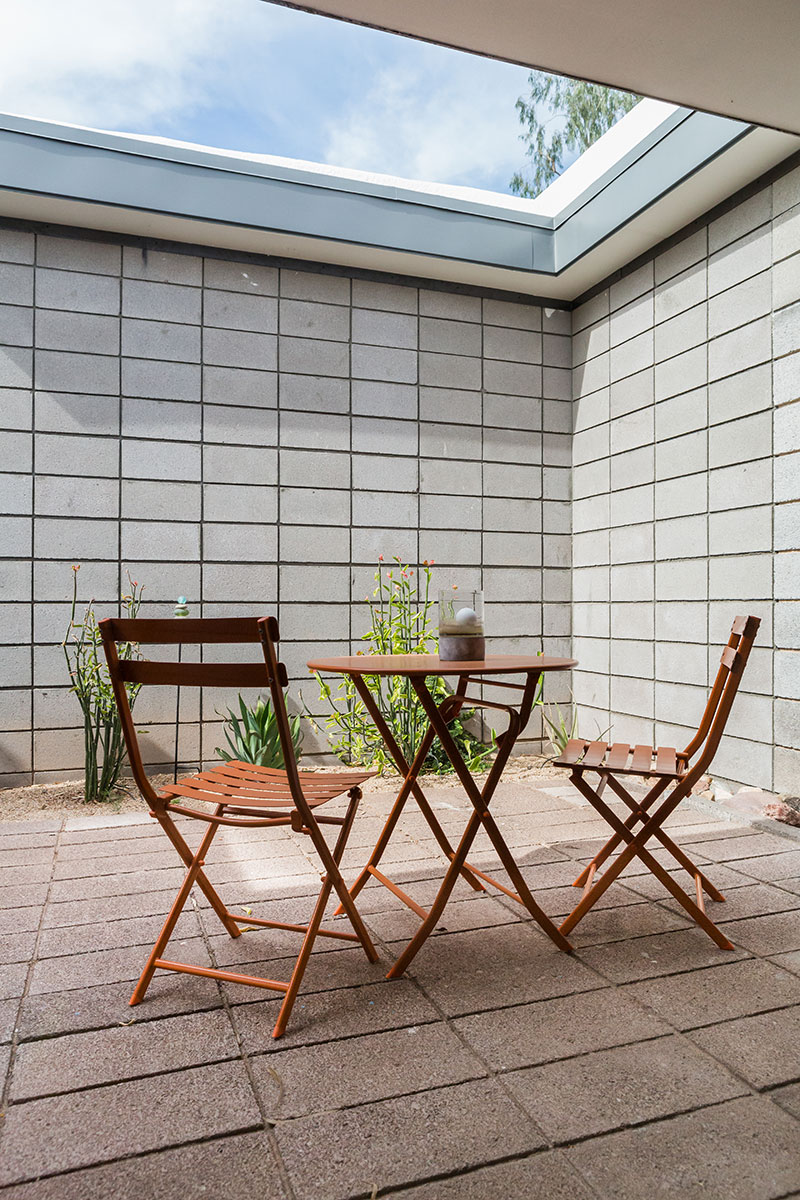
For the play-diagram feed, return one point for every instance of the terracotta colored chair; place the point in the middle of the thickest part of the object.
(664, 766)
(240, 794)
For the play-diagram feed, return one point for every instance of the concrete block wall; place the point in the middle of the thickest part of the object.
(253, 435)
(686, 487)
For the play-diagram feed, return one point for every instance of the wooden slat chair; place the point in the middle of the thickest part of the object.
(241, 794)
(665, 767)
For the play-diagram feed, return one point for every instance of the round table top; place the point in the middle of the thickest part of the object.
(431, 664)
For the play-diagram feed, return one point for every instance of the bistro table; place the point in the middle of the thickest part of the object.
(417, 668)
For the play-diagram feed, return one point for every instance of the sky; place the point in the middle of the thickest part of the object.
(253, 76)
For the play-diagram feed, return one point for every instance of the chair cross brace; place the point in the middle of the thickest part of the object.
(635, 847)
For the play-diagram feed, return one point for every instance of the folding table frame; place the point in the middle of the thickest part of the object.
(665, 767)
(240, 794)
(417, 668)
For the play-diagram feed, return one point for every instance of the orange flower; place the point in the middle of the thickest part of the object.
(380, 558)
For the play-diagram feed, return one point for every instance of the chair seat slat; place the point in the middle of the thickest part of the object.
(642, 759)
(618, 756)
(667, 760)
(595, 754)
(573, 750)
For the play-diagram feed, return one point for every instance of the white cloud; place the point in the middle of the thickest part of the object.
(256, 76)
(446, 117)
(115, 63)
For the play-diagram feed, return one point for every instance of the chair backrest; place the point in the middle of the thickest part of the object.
(266, 673)
(732, 664)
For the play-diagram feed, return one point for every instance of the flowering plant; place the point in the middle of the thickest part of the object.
(104, 746)
(401, 612)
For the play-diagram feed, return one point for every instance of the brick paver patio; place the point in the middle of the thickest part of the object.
(649, 1063)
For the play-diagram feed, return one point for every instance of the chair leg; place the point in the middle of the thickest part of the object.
(302, 960)
(314, 924)
(172, 918)
(335, 876)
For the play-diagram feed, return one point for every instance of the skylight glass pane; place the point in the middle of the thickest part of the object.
(255, 77)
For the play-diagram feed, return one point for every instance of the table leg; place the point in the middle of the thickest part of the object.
(480, 800)
(410, 787)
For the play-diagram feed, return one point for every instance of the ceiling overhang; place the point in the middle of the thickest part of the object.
(735, 58)
(681, 167)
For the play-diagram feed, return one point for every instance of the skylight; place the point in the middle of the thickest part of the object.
(262, 79)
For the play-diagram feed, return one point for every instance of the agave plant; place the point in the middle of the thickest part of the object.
(253, 737)
(561, 727)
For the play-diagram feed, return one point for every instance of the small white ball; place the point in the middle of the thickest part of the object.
(467, 619)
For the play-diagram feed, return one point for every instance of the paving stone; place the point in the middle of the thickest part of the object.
(8, 1018)
(538, 1033)
(20, 920)
(110, 908)
(12, 981)
(106, 966)
(752, 900)
(546, 1175)
(628, 921)
(664, 954)
(25, 876)
(720, 875)
(790, 962)
(81, 1060)
(770, 934)
(79, 1129)
(110, 935)
(613, 1088)
(361, 1070)
(745, 1149)
(460, 1127)
(771, 868)
(546, 875)
(788, 1098)
(106, 1004)
(559, 901)
(326, 970)
(21, 828)
(340, 1013)
(17, 947)
(719, 993)
(764, 1049)
(24, 856)
(241, 1167)
(468, 972)
(128, 884)
(482, 912)
(24, 839)
(119, 863)
(754, 845)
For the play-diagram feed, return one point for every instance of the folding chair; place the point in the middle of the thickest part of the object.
(242, 795)
(665, 766)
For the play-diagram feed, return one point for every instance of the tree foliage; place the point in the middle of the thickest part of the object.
(562, 116)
